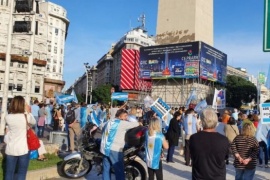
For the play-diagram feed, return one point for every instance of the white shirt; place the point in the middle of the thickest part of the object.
(16, 136)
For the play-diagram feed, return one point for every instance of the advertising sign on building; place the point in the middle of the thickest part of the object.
(265, 113)
(213, 65)
(261, 78)
(170, 61)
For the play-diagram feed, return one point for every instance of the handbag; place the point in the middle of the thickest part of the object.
(32, 139)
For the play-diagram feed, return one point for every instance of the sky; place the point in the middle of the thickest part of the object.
(96, 24)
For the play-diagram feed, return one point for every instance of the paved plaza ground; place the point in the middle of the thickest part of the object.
(179, 171)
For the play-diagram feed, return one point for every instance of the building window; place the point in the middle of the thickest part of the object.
(48, 67)
(6, 2)
(49, 48)
(2, 2)
(55, 50)
(37, 89)
(54, 68)
(10, 86)
(19, 87)
(60, 70)
(11, 64)
(56, 31)
(49, 60)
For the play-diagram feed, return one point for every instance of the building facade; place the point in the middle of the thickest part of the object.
(104, 69)
(240, 72)
(37, 47)
(134, 39)
(80, 85)
(185, 21)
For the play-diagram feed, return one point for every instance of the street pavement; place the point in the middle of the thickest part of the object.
(179, 171)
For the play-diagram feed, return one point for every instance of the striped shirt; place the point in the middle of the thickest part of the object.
(246, 147)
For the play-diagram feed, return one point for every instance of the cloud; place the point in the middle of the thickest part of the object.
(244, 50)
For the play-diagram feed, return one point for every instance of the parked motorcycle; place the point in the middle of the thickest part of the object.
(79, 164)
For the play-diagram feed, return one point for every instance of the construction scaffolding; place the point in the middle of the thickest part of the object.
(175, 91)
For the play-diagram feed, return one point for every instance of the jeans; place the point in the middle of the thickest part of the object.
(116, 160)
(36, 125)
(40, 131)
(263, 151)
(158, 172)
(170, 153)
(244, 174)
(21, 162)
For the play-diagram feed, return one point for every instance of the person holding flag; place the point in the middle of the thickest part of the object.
(113, 142)
(154, 142)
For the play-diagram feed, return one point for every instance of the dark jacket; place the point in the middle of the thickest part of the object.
(173, 132)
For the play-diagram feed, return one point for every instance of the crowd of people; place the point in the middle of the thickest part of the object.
(208, 138)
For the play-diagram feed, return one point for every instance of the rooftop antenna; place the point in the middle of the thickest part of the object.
(141, 19)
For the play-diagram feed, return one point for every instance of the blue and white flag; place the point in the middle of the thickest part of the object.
(108, 136)
(192, 96)
(74, 96)
(94, 119)
(153, 146)
(160, 108)
(200, 106)
(120, 96)
(63, 99)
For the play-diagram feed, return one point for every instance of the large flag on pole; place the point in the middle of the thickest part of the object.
(219, 100)
(74, 96)
(119, 96)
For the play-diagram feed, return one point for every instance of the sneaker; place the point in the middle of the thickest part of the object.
(260, 165)
(266, 166)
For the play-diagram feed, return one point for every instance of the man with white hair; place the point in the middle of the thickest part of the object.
(208, 149)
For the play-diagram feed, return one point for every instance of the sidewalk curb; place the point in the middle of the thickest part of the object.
(42, 174)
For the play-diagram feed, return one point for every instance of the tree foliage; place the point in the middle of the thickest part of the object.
(239, 91)
(80, 98)
(102, 94)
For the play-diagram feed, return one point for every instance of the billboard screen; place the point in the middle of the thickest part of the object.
(174, 60)
(213, 64)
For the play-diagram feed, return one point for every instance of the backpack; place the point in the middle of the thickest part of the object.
(70, 116)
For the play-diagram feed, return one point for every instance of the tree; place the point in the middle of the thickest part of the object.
(239, 91)
(102, 94)
(80, 98)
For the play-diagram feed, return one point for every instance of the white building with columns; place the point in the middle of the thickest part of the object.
(38, 37)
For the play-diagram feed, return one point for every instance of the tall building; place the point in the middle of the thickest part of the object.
(184, 21)
(105, 66)
(37, 47)
(134, 39)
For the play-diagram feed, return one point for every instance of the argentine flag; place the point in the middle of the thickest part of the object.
(153, 146)
(94, 119)
(108, 136)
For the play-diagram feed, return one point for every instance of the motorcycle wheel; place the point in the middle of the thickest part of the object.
(69, 168)
(135, 171)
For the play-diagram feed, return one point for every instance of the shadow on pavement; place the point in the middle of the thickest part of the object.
(178, 172)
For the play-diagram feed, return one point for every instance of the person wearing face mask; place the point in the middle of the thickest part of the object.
(113, 142)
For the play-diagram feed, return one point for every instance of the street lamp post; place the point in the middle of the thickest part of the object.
(88, 74)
